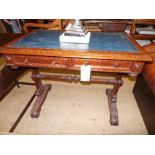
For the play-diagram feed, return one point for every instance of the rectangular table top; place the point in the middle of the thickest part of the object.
(99, 41)
(102, 45)
(6, 37)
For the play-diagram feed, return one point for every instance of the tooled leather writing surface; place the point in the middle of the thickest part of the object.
(100, 41)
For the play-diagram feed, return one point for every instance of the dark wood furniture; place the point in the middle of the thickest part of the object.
(52, 24)
(146, 102)
(142, 22)
(8, 79)
(107, 25)
(8, 76)
(149, 68)
(107, 52)
(144, 91)
(5, 37)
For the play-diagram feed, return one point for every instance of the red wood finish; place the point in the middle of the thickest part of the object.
(113, 62)
(141, 55)
(117, 66)
(120, 62)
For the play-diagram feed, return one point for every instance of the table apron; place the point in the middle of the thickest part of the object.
(101, 65)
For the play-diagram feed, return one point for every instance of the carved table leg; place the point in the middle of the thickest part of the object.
(41, 93)
(112, 100)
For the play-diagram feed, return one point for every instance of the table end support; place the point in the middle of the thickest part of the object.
(112, 108)
(112, 100)
(35, 112)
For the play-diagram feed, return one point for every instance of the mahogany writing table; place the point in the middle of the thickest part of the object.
(106, 52)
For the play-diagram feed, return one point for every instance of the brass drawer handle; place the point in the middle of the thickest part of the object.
(26, 60)
(54, 63)
(138, 66)
(8, 57)
(85, 63)
(116, 65)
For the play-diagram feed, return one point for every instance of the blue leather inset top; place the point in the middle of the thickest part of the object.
(98, 41)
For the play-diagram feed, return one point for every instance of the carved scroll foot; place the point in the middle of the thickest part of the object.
(35, 112)
(112, 108)
(112, 100)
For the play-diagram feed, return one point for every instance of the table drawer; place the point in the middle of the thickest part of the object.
(102, 65)
(36, 61)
